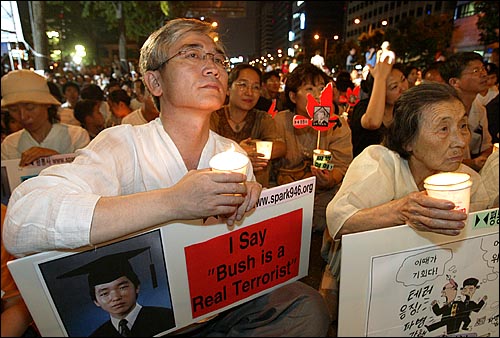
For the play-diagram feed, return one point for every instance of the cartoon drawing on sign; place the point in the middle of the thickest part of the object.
(469, 287)
(417, 305)
(455, 312)
(449, 311)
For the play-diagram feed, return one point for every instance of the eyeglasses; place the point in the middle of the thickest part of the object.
(243, 86)
(196, 56)
(476, 71)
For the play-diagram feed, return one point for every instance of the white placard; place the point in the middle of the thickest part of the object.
(193, 262)
(390, 278)
(13, 175)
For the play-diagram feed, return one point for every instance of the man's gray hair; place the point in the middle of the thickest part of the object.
(155, 51)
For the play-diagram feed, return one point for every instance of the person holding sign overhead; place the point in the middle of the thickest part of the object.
(130, 179)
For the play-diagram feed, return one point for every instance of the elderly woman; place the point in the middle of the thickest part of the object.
(429, 135)
(384, 185)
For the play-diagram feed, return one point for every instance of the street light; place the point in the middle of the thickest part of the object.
(79, 54)
(335, 37)
(316, 37)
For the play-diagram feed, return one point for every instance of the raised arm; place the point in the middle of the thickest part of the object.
(374, 115)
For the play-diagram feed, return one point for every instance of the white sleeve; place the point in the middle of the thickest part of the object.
(54, 210)
(374, 177)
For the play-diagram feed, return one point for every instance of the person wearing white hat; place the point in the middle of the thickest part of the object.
(26, 97)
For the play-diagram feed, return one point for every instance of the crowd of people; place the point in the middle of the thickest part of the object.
(188, 104)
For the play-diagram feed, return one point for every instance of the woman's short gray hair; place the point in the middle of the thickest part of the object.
(409, 110)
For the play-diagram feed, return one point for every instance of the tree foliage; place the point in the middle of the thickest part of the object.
(94, 23)
(66, 18)
(415, 41)
(373, 38)
(140, 17)
(487, 23)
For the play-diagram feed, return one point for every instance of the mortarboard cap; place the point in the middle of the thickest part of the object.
(109, 268)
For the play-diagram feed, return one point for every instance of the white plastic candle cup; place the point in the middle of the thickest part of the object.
(495, 147)
(321, 157)
(264, 147)
(453, 187)
(229, 161)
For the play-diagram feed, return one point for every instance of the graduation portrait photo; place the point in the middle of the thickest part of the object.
(321, 116)
(117, 290)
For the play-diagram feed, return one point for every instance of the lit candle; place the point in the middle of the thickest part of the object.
(229, 160)
(321, 159)
(264, 147)
(450, 186)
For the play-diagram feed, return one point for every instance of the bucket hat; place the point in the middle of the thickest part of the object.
(25, 86)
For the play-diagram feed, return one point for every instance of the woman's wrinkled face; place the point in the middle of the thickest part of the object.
(442, 138)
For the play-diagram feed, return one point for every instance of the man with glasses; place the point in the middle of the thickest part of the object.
(134, 178)
(466, 73)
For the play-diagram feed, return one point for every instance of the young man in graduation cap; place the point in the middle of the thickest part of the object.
(114, 287)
